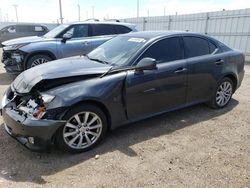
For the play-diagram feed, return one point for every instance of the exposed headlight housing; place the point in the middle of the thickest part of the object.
(14, 47)
(18, 57)
(47, 98)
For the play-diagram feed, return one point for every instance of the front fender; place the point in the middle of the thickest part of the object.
(107, 90)
(45, 46)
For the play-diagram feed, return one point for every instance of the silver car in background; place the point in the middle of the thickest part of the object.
(64, 41)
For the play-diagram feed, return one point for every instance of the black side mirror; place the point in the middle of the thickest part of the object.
(146, 64)
(66, 37)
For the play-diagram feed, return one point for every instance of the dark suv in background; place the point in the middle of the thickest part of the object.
(64, 41)
(22, 30)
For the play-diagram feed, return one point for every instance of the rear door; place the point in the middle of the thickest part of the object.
(101, 33)
(153, 91)
(204, 65)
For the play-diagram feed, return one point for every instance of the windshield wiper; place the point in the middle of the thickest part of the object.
(107, 72)
(117, 69)
(98, 60)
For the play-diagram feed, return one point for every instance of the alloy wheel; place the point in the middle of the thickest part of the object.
(38, 61)
(82, 130)
(224, 93)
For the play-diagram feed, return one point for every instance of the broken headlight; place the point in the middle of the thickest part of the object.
(47, 98)
(18, 57)
(14, 46)
(35, 106)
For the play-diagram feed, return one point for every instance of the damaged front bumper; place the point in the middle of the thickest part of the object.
(13, 61)
(35, 134)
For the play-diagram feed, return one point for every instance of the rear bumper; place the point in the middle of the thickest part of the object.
(33, 134)
(240, 78)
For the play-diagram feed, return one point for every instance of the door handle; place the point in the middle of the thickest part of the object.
(180, 70)
(86, 43)
(219, 62)
(149, 90)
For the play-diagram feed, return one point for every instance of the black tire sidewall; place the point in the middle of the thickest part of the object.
(33, 58)
(92, 108)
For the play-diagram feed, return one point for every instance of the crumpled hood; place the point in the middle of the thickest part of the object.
(62, 68)
(24, 40)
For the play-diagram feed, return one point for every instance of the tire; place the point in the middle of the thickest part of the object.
(221, 97)
(76, 137)
(37, 60)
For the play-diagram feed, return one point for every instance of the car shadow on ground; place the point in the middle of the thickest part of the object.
(39, 165)
(6, 78)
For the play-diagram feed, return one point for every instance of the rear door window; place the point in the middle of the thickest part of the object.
(103, 29)
(25, 28)
(195, 46)
(165, 50)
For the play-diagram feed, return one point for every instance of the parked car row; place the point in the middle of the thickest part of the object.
(64, 41)
(73, 102)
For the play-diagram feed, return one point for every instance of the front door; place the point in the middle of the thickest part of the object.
(159, 90)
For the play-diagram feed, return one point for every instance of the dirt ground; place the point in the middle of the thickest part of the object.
(192, 147)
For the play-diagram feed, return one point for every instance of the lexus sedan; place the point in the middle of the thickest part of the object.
(63, 41)
(75, 101)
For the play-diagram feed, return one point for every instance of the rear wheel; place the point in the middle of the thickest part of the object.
(223, 93)
(86, 126)
(37, 60)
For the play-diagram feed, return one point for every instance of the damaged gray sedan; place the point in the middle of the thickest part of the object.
(73, 102)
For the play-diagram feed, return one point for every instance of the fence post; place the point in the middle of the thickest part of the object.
(169, 22)
(144, 21)
(206, 23)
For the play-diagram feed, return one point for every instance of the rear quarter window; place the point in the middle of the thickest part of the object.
(120, 29)
(39, 28)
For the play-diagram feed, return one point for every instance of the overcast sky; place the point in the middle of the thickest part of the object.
(48, 10)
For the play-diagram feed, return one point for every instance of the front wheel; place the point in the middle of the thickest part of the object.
(223, 93)
(37, 60)
(86, 126)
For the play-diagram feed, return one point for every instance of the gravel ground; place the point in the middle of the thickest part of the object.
(192, 147)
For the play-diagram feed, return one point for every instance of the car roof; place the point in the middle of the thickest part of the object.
(25, 24)
(105, 22)
(158, 34)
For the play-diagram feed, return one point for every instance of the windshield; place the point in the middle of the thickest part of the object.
(118, 50)
(54, 32)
